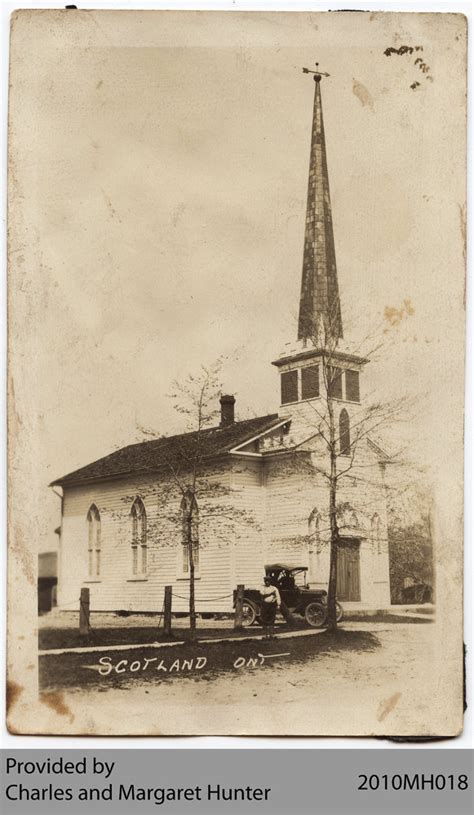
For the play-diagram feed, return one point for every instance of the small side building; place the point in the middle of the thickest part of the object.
(47, 581)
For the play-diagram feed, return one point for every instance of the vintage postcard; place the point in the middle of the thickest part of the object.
(236, 373)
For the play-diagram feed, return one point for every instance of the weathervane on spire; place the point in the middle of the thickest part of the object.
(317, 73)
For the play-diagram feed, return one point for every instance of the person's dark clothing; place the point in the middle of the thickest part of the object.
(268, 613)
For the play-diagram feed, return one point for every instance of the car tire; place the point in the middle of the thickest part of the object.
(249, 613)
(339, 612)
(315, 615)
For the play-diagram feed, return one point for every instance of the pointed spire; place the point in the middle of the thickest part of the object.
(319, 300)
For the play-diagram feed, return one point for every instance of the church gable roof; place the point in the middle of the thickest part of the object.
(150, 456)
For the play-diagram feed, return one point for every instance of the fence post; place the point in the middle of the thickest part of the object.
(167, 611)
(239, 603)
(84, 611)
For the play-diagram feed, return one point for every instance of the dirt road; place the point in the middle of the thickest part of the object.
(379, 691)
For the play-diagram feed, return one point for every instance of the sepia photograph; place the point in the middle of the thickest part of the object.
(236, 272)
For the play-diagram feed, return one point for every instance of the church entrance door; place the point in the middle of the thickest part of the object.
(348, 570)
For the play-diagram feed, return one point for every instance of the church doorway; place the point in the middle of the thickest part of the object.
(348, 570)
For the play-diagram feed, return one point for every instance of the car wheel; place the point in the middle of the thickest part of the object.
(315, 615)
(339, 612)
(249, 613)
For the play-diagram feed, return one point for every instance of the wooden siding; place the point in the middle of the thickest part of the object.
(250, 502)
(117, 588)
(260, 515)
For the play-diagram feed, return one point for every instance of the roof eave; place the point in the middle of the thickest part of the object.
(277, 423)
(383, 455)
(316, 353)
(69, 482)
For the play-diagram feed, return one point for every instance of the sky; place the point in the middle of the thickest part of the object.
(157, 208)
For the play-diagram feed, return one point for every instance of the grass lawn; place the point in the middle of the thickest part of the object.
(191, 661)
(51, 637)
(71, 638)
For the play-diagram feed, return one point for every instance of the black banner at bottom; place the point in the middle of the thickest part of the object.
(184, 782)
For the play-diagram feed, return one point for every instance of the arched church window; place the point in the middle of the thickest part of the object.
(190, 532)
(139, 537)
(94, 543)
(344, 433)
(313, 524)
(377, 534)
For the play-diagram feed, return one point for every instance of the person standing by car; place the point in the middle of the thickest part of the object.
(271, 600)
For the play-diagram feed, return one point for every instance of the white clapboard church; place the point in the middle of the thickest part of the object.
(120, 540)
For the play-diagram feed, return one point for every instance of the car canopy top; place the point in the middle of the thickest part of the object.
(288, 567)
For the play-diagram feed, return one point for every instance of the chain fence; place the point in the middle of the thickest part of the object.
(160, 622)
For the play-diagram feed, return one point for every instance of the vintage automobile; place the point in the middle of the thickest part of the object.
(299, 599)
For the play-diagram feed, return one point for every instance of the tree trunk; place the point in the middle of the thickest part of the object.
(192, 602)
(331, 623)
(332, 586)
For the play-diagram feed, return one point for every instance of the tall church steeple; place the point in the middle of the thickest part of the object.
(303, 364)
(319, 300)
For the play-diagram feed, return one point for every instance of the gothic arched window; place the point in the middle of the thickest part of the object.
(189, 531)
(93, 524)
(376, 528)
(313, 525)
(344, 433)
(139, 537)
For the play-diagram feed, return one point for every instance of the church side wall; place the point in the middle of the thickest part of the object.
(117, 588)
(250, 499)
(260, 515)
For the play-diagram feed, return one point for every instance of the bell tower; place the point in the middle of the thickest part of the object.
(320, 358)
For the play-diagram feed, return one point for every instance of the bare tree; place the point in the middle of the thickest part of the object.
(339, 444)
(190, 484)
(196, 399)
